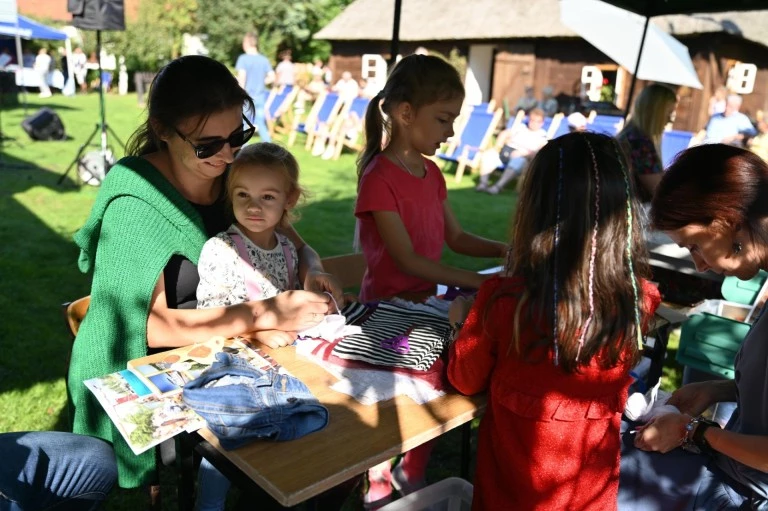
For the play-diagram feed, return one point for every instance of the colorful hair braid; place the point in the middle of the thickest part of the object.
(629, 247)
(555, 295)
(593, 253)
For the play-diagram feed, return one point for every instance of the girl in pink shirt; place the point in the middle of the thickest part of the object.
(403, 217)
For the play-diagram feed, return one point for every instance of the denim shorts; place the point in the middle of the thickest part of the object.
(241, 403)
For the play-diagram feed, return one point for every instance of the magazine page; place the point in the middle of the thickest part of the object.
(144, 401)
(143, 419)
(169, 371)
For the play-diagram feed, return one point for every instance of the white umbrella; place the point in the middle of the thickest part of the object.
(619, 34)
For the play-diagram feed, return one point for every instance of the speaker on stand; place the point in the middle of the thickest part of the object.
(96, 15)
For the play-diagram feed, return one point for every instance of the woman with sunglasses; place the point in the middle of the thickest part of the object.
(154, 211)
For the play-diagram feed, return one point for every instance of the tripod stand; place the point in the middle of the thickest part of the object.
(97, 167)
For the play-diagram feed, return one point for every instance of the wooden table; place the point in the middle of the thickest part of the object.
(357, 436)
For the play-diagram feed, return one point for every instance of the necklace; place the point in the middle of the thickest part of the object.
(404, 165)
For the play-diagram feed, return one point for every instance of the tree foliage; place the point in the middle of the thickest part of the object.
(280, 25)
(155, 37)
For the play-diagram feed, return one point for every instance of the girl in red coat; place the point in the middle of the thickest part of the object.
(554, 338)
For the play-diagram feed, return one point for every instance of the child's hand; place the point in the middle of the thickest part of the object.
(274, 338)
(321, 282)
(290, 311)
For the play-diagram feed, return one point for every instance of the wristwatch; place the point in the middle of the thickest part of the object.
(694, 440)
(698, 438)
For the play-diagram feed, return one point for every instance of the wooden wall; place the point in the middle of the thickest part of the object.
(558, 62)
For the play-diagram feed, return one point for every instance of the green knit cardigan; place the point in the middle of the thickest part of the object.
(139, 220)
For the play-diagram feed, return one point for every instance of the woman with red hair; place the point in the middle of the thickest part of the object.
(713, 201)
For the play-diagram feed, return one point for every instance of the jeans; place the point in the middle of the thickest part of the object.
(259, 118)
(212, 488)
(52, 470)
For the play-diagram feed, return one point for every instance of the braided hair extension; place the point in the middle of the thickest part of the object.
(555, 295)
(593, 253)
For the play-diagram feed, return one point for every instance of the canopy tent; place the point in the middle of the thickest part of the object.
(20, 27)
(29, 29)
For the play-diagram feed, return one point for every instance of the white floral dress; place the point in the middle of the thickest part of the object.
(222, 279)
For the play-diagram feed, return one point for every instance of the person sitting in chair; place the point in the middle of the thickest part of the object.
(515, 147)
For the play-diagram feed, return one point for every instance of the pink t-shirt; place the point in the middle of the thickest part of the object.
(419, 202)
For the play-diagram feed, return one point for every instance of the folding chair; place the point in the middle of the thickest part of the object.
(322, 114)
(352, 114)
(606, 124)
(278, 106)
(474, 137)
(673, 143)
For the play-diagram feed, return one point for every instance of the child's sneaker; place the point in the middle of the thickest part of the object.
(402, 484)
(379, 489)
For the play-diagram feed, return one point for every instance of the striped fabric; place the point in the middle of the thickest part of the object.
(425, 332)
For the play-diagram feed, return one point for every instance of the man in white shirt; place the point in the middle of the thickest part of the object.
(42, 68)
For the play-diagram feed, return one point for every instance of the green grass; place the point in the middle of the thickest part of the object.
(38, 261)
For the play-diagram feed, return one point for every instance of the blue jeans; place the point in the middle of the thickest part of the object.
(259, 118)
(212, 488)
(54, 470)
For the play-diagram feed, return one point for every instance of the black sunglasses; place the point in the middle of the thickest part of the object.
(208, 149)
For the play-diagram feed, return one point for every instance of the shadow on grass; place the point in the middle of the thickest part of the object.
(37, 268)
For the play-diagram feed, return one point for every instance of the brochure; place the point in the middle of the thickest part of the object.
(144, 401)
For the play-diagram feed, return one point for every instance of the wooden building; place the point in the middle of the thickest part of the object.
(509, 44)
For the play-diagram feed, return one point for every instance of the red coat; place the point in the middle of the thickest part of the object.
(549, 440)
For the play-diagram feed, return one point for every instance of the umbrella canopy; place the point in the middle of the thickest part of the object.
(619, 34)
(28, 29)
(660, 7)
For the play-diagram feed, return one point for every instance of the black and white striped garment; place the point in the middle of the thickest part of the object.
(426, 332)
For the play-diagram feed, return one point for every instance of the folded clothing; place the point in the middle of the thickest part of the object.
(242, 403)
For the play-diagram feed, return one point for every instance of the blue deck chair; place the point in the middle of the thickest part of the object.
(475, 136)
(353, 112)
(322, 113)
(606, 124)
(672, 143)
(278, 106)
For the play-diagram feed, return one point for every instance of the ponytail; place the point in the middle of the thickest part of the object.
(374, 131)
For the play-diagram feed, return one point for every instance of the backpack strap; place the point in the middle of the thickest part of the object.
(284, 244)
(249, 273)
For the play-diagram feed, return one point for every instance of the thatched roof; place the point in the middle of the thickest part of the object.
(454, 20)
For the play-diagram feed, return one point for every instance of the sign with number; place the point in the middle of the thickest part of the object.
(741, 78)
(592, 82)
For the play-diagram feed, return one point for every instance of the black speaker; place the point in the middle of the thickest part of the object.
(44, 124)
(97, 14)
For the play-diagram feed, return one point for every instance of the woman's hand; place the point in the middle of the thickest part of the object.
(662, 433)
(321, 282)
(274, 338)
(693, 398)
(290, 311)
(459, 309)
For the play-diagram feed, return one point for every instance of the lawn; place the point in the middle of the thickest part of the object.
(38, 259)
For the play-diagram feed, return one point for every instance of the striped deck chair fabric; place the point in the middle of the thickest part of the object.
(321, 115)
(475, 136)
(673, 142)
(278, 105)
(349, 126)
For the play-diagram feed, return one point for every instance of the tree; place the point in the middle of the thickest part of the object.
(280, 25)
(155, 37)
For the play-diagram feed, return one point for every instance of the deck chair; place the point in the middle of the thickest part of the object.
(606, 124)
(278, 108)
(348, 269)
(562, 129)
(322, 114)
(351, 114)
(672, 143)
(552, 124)
(474, 137)
(74, 313)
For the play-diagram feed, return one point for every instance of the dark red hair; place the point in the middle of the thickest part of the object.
(713, 182)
